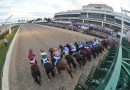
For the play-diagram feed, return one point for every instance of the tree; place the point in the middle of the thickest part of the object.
(48, 19)
(30, 21)
(38, 19)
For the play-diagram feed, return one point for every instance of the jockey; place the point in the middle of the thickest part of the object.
(80, 44)
(44, 58)
(72, 47)
(94, 43)
(65, 50)
(56, 56)
(90, 44)
(31, 57)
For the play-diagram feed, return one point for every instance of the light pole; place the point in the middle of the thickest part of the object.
(10, 23)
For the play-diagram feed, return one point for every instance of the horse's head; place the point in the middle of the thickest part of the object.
(51, 50)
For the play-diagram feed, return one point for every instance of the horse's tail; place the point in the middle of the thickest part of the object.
(69, 70)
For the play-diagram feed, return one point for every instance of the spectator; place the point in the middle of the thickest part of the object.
(5, 41)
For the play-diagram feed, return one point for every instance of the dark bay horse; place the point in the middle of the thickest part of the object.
(68, 58)
(49, 68)
(36, 73)
(79, 59)
(70, 61)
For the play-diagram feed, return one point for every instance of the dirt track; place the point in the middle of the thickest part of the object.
(37, 37)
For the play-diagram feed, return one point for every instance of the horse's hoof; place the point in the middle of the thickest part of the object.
(48, 80)
(39, 84)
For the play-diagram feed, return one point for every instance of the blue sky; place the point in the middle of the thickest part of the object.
(28, 9)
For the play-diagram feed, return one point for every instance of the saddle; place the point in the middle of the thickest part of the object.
(33, 61)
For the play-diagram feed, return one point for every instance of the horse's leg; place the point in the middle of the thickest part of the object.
(89, 57)
(32, 74)
(52, 72)
(36, 78)
(39, 80)
(48, 75)
(54, 68)
(74, 65)
(69, 71)
(94, 55)
(84, 57)
(79, 62)
(69, 63)
(83, 61)
(96, 52)
(58, 70)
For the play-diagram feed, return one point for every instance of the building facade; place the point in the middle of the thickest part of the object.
(99, 14)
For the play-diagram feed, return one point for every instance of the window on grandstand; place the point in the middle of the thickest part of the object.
(83, 15)
(110, 18)
(126, 23)
(118, 21)
(96, 16)
(108, 11)
(67, 15)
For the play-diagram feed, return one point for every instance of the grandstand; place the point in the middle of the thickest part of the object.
(99, 14)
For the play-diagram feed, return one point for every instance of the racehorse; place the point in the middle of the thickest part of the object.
(70, 61)
(88, 53)
(79, 58)
(83, 53)
(49, 68)
(100, 48)
(62, 65)
(105, 43)
(36, 73)
(93, 49)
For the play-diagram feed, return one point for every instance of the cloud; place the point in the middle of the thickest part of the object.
(4, 13)
(41, 8)
(41, 14)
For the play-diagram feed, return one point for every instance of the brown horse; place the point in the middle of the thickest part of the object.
(62, 65)
(36, 73)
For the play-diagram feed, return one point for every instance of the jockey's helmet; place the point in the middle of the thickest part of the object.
(55, 49)
(30, 50)
(71, 44)
(42, 50)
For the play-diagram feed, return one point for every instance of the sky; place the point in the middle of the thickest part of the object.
(29, 9)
